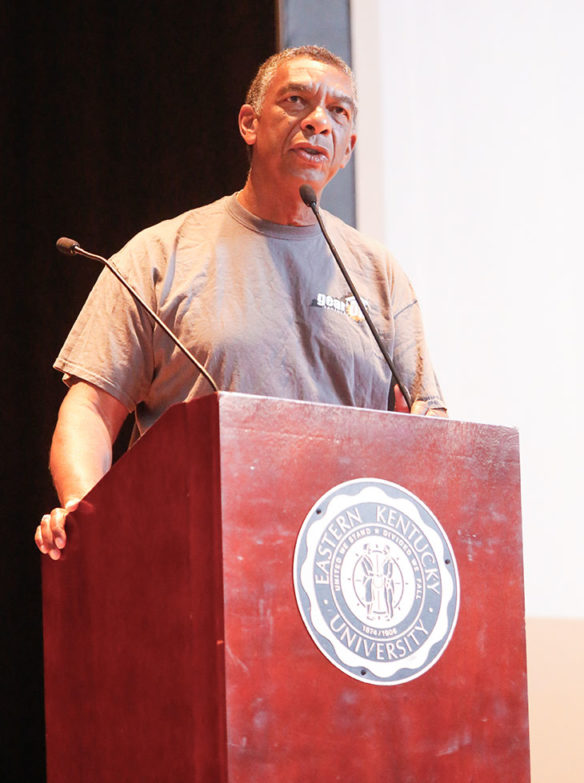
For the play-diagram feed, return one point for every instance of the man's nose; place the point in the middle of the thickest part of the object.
(317, 121)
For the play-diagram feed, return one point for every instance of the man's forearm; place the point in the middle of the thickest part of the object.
(81, 451)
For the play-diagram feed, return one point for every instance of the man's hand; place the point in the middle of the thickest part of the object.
(419, 408)
(50, 536)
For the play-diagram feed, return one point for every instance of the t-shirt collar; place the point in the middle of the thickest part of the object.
(266, 227)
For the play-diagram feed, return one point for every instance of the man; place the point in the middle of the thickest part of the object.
(250, 286)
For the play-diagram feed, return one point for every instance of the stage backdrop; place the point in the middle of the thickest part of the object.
(116, 116)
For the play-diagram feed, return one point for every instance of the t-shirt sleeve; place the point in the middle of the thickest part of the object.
(110, 344)
(411, 355)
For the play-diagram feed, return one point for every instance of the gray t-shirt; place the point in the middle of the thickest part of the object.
(261, 305)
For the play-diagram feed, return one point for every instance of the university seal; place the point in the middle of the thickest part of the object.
(376, 581)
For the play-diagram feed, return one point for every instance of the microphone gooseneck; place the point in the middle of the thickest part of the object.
(308, 196)
(70, 247)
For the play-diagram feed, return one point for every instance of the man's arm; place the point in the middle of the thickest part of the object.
(81, 453)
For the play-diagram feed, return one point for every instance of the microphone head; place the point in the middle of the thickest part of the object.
(308, 195)
(67, 246)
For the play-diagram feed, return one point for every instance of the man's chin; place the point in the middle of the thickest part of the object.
(315, 176)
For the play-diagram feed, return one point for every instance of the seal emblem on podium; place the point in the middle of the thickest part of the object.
(376, 581)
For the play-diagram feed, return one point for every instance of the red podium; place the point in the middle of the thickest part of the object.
(175, 649)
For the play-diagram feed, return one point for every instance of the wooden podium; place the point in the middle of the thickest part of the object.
(175, 650)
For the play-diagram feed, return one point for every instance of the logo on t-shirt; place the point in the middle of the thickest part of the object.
(348, 305)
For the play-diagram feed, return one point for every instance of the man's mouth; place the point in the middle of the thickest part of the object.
(311, 154)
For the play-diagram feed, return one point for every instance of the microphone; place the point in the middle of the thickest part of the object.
(67, 246)
(308, 196)
(70, 247)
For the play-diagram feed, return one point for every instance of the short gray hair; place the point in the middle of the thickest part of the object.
(261, 81)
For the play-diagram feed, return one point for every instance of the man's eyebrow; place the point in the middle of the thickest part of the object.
(295, 87)
(304, 87)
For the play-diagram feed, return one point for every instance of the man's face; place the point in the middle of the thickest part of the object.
(304, 131)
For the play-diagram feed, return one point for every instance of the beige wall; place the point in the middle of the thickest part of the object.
(469, 167)
(555, 658)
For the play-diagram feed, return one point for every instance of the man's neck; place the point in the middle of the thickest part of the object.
(285, 207)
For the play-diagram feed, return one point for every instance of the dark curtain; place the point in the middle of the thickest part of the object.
(115, 116)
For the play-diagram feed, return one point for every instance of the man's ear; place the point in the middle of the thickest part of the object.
(349, 149)
(247, 121)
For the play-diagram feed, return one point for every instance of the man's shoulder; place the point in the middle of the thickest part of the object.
(354, 238)
(192, 219)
